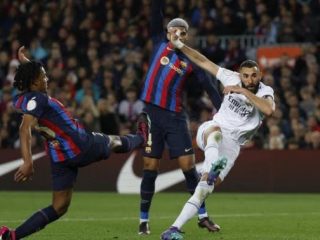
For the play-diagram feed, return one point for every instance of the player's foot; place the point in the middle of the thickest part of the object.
(143, 129)
(208, 224)
(144, 228)
(6, 234)
(173, 233)
(215, 170)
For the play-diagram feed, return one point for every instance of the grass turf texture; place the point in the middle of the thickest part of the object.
(113, 216)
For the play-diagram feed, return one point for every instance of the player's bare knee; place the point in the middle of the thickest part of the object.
(61, 208)
(151, 164)
(186, 162)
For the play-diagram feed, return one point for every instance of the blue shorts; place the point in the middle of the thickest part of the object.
(64, 174)
(168, 129)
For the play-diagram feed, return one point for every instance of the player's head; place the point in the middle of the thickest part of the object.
(250, 75)
(31, 76)
(178, 24)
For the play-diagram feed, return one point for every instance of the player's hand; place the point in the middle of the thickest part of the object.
(24, 172)
(175, 37)
(233, 89)
(21, 56)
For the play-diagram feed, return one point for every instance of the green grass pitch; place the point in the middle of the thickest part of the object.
(113, 216)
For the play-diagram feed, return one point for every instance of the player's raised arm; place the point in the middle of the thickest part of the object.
(21, 56)
(25, 171)
(157, 31)
(194, 55)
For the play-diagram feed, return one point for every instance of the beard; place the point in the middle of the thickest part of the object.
(252, 88)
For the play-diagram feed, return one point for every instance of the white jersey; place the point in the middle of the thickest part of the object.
(237, 116)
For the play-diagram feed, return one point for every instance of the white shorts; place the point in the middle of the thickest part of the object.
(228, 148)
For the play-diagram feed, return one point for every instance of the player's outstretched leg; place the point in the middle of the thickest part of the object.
(127, 143)
(173, 233)
(204, 221)
(192, 205)
(6, 234)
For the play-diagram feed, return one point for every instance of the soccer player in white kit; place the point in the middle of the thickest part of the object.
(246, 102)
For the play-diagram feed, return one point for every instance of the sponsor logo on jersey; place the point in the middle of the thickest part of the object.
(165, 61)
(240, 107)
(175, 68)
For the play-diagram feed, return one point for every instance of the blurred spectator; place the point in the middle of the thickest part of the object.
(234, 55)
(307, 103)
(14, 63)
(95, 52)
(87, 89)
(131, 106)
(276, 138)
(313, 140)
(213, 50)
(109, 120)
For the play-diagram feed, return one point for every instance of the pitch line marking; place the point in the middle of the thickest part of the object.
(240, 215)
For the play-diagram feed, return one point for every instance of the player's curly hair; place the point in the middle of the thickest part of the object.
(25, 75)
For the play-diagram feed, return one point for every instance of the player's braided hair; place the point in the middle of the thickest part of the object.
(26, 73)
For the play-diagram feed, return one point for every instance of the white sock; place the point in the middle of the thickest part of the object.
(193, 204)
(203, 215)
(143, 220)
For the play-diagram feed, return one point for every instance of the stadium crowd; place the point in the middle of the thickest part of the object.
(96, 54)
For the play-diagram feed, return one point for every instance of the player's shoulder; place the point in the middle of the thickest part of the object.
(227, 72)
(263, 86)
(265, 90)
(40, 96)
(23, 99)
(228, 77)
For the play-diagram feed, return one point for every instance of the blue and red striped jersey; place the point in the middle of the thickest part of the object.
(65, 136)
(166, 77)
(169, 69)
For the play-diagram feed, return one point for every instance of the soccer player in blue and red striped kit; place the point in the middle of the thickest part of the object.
(68, 144)
(168, 73)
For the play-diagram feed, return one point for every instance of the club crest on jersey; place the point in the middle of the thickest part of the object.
(164, 60)
(183, 64)
(148, 149)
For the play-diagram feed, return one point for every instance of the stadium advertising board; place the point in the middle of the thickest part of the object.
(254, 171)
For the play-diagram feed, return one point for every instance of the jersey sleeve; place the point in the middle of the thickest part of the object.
(32, 103)
(228, 77)
(266, 91)
(209, 86)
